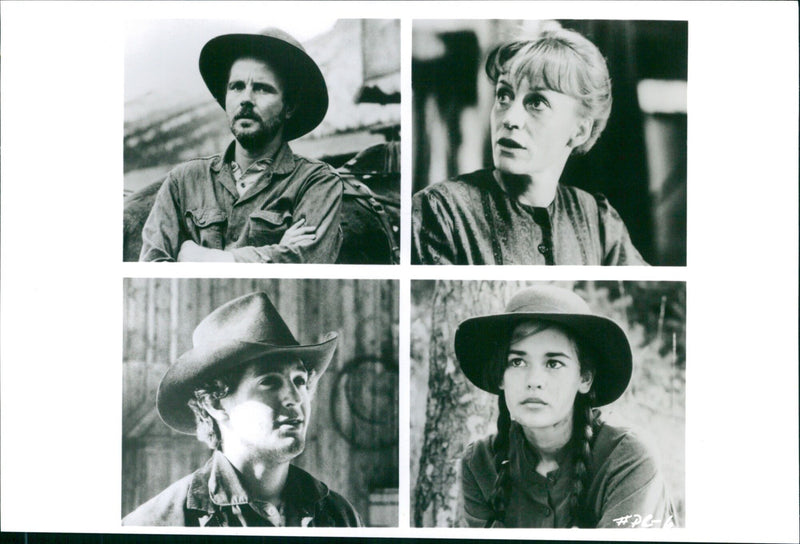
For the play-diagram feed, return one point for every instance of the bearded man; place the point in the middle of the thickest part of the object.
(245, 389)
(257, 201)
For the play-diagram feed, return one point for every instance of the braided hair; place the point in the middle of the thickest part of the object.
(585, 423)
(500, 445)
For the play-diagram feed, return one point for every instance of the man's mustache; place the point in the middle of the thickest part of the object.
(246, 113)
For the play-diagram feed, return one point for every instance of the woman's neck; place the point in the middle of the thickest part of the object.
(538, 191)
(549, 442)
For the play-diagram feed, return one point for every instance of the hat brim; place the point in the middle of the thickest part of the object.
(199, 365)
(478, 341)
(301, 72)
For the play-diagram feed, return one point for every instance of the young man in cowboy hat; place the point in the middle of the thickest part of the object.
(245, 388)
(257, 202)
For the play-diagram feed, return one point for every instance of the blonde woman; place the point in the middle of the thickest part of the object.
(552, 101)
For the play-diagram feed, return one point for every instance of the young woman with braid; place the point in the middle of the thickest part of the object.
(553, 462)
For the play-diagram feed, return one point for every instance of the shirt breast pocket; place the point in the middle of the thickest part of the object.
(268, 227)
(207, 226)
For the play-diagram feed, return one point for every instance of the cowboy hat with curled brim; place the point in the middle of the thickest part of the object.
(479, 340)
(238, 332)
(284, 54)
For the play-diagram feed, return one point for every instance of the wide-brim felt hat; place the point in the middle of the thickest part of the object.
(284, 54)
(236, 333)
(479, 340)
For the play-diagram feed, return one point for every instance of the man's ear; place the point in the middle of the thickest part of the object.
(213, 406)
(289, 110)
(312, 380)
(587, 378)
(582, 133)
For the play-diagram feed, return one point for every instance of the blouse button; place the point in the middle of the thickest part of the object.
(543, 249)
(546, 511)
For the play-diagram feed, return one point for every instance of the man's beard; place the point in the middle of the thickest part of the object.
(286, 452)
(256, 138)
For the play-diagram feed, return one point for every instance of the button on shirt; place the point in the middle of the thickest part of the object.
(246, 179)
(473, 220)
(624, 481)
(202, 201)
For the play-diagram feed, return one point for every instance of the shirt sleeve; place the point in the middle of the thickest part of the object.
(473, 509)
(342, 512)
(161, 232)
(636, 494)
(432, 240)
(320, 205)
(619, 250)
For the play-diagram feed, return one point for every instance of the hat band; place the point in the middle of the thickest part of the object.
(538, 309)
(266, 343)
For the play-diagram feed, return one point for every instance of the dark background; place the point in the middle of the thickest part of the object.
(639, 162)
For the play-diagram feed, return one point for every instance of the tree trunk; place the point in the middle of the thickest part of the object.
(457, 412)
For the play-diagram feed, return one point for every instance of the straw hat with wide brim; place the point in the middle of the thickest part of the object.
(478, 339)
(284, 54)
(234, 334)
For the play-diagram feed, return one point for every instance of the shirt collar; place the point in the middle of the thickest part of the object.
(551, 208)
(282, 162)
(303, 490)
(527, 459)
(224, 486)
(217, 484)
(259, 166)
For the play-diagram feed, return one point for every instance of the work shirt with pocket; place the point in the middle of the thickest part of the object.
(199, 201)
(626, 488)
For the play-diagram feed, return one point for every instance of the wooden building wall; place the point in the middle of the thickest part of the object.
(352, 439)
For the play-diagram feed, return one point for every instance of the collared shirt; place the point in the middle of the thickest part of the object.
(625, 488)
(247, 178)
(214, 496)
(199, 201)
(232, 501)
(473, 220)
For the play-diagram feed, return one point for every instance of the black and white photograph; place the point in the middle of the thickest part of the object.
(608, 353)
(554, 142)
(548, 405)
(264, 403)
(245, 142)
